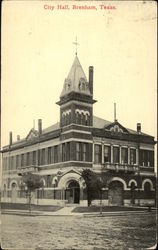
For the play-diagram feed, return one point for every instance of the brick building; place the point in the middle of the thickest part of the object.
(81, 140)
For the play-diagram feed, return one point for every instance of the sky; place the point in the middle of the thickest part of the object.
(38, 51)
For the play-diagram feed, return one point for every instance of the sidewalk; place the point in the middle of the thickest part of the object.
(67, 211)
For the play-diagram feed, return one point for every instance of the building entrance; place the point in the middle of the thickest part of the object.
(72, 192)
(115, 193)
(14, 193)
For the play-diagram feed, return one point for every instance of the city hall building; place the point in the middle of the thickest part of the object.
(80, 141)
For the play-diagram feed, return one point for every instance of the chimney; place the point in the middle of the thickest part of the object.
(40, 126)
(18, 137)
(138, 128)
(91, 79)
(10, 138)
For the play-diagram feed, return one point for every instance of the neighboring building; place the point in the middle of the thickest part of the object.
(60, 152)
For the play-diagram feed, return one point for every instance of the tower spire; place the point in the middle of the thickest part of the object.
(76, 44)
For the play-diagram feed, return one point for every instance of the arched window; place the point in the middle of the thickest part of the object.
(87, 120)
(82, 119)
(67, 119)
(77, 117)
(48, 180)
(133, 192)
(147, 190)
(55, 183)
(147, 187)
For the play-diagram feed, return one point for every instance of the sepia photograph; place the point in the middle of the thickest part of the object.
(78, 125)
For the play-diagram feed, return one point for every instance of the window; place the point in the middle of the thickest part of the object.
(68, 151)
(52, 155)
(82, 119)
(132, 156)
(22, 160)
(146, 158)
(116, 156)
(49, 155)
(147, 190)
(55, 154)
(49, 180)
(43, 156)
(87, 120)
(67, 119)
(17, 161)
(77, 117)
(34, 158)
(98, 152)
(84, 151)
(28, 159)
(107, 154)
(78, 151)
(11, 162)
(63, 152)
(39, 157)
(124, 155)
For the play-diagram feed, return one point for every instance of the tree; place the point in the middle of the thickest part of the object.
(32, 182)
(94, 184)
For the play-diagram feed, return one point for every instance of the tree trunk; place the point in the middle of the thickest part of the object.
(29, 194)
(88, 198)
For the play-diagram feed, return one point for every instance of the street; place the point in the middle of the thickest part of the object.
(75, 232)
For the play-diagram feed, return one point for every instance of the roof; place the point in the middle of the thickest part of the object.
(76, 80)
(98, 123)
(51, 128)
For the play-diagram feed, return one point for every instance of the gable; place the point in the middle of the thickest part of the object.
(116, 128)
(70, 171)
(32, 134)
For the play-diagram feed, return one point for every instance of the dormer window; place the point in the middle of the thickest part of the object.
(81, 84)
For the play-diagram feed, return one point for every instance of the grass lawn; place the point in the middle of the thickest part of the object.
(33, 207)
(105, 209)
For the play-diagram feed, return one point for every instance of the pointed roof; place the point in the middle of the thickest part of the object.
(76, 80)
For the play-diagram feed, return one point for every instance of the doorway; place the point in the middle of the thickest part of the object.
(72, 193)
(13, 192)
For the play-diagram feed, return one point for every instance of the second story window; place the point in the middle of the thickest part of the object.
(49, 155)
(34, 158)
(22, 160)
(132, 156)
(63, 152)
(55, 154)
(28, 159)
(43, 156)
(97, 153)
(146, 158)
(116, 154)
(84, 152)
(17, 161)
(124, 155)
(78, 151)
(107, 154)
